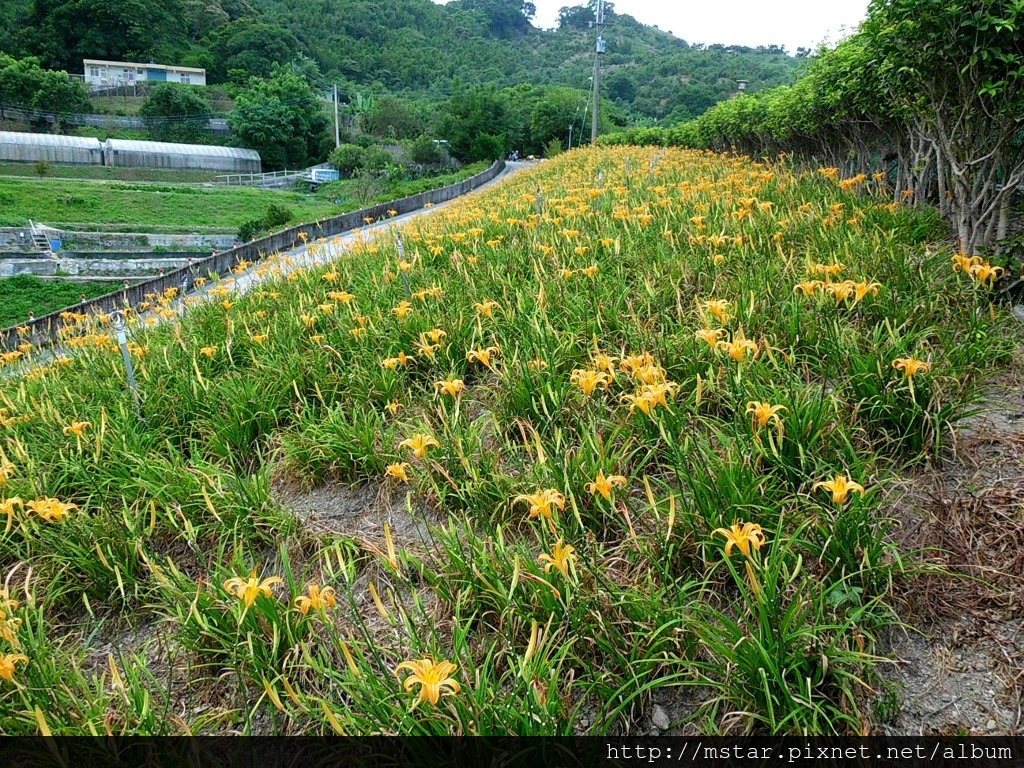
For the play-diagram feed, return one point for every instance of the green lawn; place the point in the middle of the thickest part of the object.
(66, 203)
(105, 173)
(124, 206)
(22, 294)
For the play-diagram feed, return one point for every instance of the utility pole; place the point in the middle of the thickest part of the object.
(595, 115)
(570, 136)
(337, 127)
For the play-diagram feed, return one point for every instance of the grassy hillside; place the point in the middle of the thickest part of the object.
(107, 173)
(61, 203)
(116, 206)
(637, 446)
(22, 294)
(416, 48)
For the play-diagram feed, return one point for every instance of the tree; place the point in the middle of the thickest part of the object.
(472, 122)
(66, 31)
(176, 112)
(425, 151)
(25, 84)
(575, 17)
(250, 45)
(505, 18)
(348, 158)
(581, 16)
(282, 119)
(619, 86)
(552, 116)
(957, 69)
(393, 118)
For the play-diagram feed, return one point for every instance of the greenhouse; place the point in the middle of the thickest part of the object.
(36, 147)
(156, 154)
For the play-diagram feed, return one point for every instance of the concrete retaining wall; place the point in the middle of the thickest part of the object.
(18, 238)
(127, 264)
(43, 330)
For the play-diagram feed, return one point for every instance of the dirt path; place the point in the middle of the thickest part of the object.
(958, 669)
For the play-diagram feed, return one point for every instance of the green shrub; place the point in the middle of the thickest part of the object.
(348, 158)
(276, 217)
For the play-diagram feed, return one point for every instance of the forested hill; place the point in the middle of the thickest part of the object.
(411, 47)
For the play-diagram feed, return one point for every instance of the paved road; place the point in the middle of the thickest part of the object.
(303, 257)
(300, 257)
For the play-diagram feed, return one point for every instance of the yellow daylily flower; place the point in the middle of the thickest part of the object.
(840, 487)
(765, 413)
(426, 349)
(51, 509)
(77, 428)
(7, 507)
(739, 346)
(710, 336)
(391, 363)
(633, 362)
(7, 469)
(606, 363)
(399, 470)
(719, 308)
(451, 387)
(403, 310)
(604, 485)
(486, 307)
(542, 502)
(562, 558)
(8, 665)
(649, 374)
(208, 351)
(482, 355)
(986, 273)
(343, 297)
(317, 600)
(911, 366)
(745, 536)
(435, 335)
(248, 589)
(419, 443)
(962, 261)
(434, 678)
(808, 287)
(863, 288)
(588, 381)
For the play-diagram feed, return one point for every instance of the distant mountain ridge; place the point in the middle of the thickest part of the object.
(414, 48)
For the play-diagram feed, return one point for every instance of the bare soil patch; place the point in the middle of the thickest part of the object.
(956, 669)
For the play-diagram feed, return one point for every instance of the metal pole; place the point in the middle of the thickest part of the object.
(595, 115)
(570, 137)
(337, 127)
(120, 324)
(405, 275)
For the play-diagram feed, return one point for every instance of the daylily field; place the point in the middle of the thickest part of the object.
(618, 429)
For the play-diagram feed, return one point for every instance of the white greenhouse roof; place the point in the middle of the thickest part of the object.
(48, 140)
(167, 148)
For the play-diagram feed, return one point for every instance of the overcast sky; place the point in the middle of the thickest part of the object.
(792, 23)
